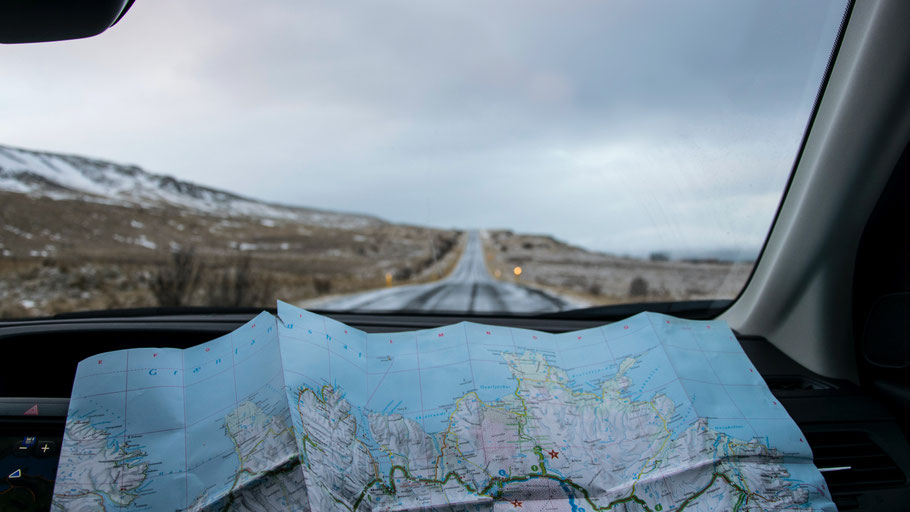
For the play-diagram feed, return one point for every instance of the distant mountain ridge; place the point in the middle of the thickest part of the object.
(61, 176)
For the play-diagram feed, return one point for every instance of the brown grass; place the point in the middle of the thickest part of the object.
(598, 278)
(73, 255)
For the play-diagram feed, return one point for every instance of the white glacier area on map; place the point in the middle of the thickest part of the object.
(301, 412)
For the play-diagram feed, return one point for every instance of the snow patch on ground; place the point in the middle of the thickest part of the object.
(141, 241)
(18, 232)
(244, 246)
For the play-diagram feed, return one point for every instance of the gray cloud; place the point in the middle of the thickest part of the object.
(620, 125)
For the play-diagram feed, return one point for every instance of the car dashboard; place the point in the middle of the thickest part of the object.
(857, 444)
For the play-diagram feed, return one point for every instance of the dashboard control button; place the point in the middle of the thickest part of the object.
(15, 474)
(46, 448)
(23, 449)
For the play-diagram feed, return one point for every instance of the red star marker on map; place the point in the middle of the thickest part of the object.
(554, 454)
(516, 503)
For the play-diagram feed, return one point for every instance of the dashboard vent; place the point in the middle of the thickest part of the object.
(852, 463)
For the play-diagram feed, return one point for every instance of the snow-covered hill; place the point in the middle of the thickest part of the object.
(59, 176)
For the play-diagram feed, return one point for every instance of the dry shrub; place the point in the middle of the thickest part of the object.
(175, 280)
(322, 285)
(638, 287)
(239, 285)
(595, 289)
(403, 274)
(235, 283)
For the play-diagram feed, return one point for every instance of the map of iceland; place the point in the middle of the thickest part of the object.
(652, 414)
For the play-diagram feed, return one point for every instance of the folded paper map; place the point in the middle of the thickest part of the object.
(301, 412)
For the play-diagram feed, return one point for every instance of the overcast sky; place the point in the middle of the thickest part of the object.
(624, 126)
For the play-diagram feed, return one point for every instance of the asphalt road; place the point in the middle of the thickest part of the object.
(469, 288)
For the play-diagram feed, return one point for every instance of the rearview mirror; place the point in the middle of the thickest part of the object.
(32, 21)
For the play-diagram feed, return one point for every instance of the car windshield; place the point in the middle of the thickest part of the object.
(468, 157)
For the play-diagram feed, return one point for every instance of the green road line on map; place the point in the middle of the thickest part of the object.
(739, 502)
(500, 482)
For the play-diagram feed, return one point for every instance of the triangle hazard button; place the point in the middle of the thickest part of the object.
(33, 411)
